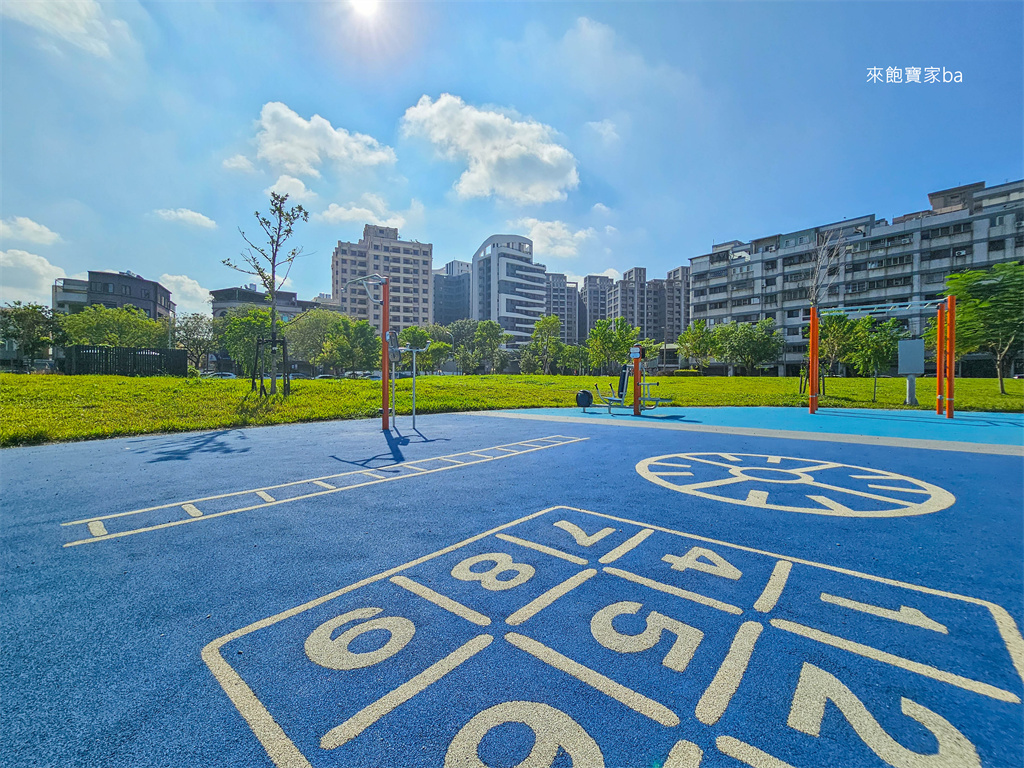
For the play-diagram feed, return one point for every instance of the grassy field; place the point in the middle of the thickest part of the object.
(41, 409)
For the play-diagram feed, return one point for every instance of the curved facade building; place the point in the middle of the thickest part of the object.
(508, 287)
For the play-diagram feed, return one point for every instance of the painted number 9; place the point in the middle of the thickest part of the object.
(552, 730)
(334, 653)
(489, 579)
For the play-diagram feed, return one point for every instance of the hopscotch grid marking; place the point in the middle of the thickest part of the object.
(669, 589)
(441, 601)
(119, 534)
(545, 599)
(283, 751)
(637, 702)
(542, 548)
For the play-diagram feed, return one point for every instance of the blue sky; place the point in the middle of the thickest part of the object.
(141, 136)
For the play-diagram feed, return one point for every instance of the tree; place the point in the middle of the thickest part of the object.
(529, 360)
(121, 327)
(826, 264)
(468, 359)
(875, 347)
(265, 261)
(32, 327)
(698, 342)
(989, 314)
(354, 347)
(308, 333)
(574, 360)
(194, 334)
(415, 338)
(546, 341)
(238, 334)
(437, 355)
(625, 337)
(462, 333)
(751, 345)
(487, 338)
(601, 345)
(836, 339)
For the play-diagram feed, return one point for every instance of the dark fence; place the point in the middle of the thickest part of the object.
(124, 361)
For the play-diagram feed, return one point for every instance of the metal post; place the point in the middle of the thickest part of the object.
(414, 390)
(940, 357)
(812, 364)
(385, 363)
(950, 353)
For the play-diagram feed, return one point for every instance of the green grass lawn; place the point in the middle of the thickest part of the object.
(38, 409)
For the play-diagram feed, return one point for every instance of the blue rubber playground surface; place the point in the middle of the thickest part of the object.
(692, 588)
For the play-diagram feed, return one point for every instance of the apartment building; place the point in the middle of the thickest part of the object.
(453, 285)
(877, 263)
(289, 305)
(657, 307)
(594, 296)
(562, 299)
(507, 287)
(408, 264)
(112, 290)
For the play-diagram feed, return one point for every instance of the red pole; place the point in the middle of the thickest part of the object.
(385, 363)
(812, 364)
(950, 353)
(940, 357)
(636, 386)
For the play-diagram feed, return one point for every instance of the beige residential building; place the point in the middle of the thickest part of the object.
(408, 264)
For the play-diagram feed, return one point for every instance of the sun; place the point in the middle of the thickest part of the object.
(365, 8)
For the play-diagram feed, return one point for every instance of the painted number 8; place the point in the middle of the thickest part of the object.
(489, 579)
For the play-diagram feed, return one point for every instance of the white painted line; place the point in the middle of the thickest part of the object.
(375, 476)
(626, 547)
(265, 496)
(897, 661)
(192, 510)
(541, 548)
(453, 461)
(684, 754)
(757, 497)
(541, 602)
(747, 754)
(639, 703)
(96, 528)
(773, 589)
(441, 601)
(774, 459)
(668, 589)
(904, 615)
(897, 488)
(322, 484)
(784, 434)
(716, 697)
(369, 715)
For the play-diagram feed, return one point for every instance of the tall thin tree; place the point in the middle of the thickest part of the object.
(266, 261)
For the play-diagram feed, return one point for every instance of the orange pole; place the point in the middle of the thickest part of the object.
(812, 364)
(636, 386)
(385, 363)
(940, 357)
(950, 353)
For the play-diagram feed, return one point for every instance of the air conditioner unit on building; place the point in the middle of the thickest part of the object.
(906, 240)
(775, 247)
(959, 253)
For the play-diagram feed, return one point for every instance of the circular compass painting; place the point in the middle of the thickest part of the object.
(795, 485)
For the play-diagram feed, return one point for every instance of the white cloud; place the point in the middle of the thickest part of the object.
(24, 229)
(605, 129)
(239, 163)
(553, 238)
(601, 208)
(27, 277)
(610, 230)
(185, 216)
(513, 159)
(298, 146)
(187, 294)
(81, 23)
(372, 210)
(294, 188)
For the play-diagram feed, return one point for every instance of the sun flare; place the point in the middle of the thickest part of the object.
(366, 8)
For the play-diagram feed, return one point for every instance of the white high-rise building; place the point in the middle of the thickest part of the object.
(508, 287)
(406, 262)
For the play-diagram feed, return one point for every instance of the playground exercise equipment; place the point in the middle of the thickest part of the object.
(388, 340)
(643, 400)
(945, 342)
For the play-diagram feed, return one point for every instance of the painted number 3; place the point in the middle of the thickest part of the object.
(489, 579)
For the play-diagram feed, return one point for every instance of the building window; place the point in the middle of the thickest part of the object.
(996, 245)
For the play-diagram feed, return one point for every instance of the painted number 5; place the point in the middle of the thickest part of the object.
(489, 579)
(678, 656)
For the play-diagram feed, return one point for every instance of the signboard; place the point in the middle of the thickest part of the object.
(911, 354)
(394, 348)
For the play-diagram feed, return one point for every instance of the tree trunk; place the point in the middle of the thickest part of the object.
(874, 393)
(999, 373)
